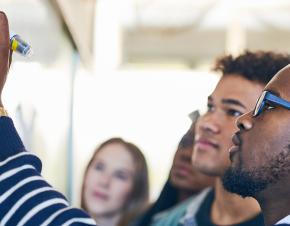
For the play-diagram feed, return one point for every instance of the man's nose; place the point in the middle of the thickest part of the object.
(244, 122)
(210, 123)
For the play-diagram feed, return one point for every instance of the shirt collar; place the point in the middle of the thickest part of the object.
(285, 220)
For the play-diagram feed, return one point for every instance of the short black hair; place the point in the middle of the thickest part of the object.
(257, 66)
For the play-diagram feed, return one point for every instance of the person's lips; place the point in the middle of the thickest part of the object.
(236, 139)
(182, 170)
(236, 147)
(204, 143)
(100, 195)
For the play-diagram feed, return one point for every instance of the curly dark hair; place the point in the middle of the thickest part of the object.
(258, 66)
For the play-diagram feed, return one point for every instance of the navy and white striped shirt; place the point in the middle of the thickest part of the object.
(25, 197)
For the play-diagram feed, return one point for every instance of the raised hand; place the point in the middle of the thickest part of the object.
(5, 52)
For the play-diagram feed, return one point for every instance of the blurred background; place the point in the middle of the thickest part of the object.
(130, 68)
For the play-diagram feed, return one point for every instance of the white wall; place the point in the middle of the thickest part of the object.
(149, 108)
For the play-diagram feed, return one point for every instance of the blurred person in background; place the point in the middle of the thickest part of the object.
(115, 186)
(243, 79)
(183, 182)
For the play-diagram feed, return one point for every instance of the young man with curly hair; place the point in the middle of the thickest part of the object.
(243, 79)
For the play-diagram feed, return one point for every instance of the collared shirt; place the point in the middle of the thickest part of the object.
(203, 214)
(284, 221)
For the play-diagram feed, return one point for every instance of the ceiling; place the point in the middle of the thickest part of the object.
(189, 32)
(196, 31)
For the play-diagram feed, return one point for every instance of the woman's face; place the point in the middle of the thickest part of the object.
(184, 176)
(109, 181)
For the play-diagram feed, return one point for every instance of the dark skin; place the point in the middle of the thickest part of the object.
(273, 125)
(5, 52)
(183, 176)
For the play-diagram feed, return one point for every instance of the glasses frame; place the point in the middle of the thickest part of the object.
(268, 97)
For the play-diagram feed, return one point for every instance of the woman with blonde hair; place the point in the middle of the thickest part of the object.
(115, 187)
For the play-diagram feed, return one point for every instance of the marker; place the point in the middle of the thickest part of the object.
(19, 45)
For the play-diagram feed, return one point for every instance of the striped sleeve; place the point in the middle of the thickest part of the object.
(25, 197)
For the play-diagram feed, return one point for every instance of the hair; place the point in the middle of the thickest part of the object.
(138, 198)
(258, 66)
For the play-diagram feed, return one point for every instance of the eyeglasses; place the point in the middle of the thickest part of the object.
(269, 99)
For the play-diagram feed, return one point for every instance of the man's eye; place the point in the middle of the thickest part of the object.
(268, 106)
(210, 107)
(234, 113)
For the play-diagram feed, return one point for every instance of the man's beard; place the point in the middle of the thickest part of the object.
(244, 183)
(249, 183)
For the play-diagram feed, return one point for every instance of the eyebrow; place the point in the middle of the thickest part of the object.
(229, 101)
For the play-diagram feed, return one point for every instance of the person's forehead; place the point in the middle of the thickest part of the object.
(281, 83)
(237, 88)
(235, 82)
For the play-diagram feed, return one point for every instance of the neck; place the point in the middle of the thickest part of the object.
(108, 220)
(274, 202)
(184, 194)
(229, 208)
